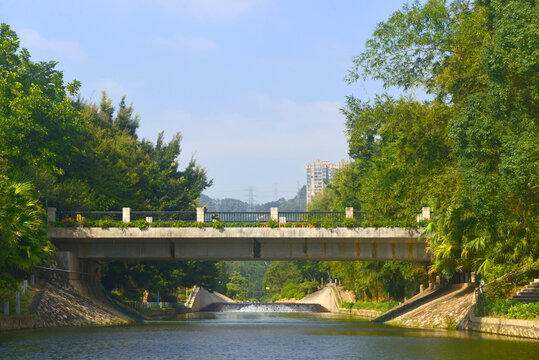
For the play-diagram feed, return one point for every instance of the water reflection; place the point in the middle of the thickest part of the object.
(260, 336)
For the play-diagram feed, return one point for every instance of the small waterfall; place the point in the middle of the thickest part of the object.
(264, 307)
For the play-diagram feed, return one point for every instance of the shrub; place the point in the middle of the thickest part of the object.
(272, 223)
(216, 224)
(105, 223)
(349, 222)
(179, 223)
(142, 224)
(328, 223)
(120, 224)
(87, 222)
(67, 222)
(512, 309)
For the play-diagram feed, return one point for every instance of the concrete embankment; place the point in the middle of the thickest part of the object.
(68, 306)
(446, 308)
(510, 327)
(326, 297)
(53, 306)
(202, 298)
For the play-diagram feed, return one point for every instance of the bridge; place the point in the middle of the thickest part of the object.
(83, 246)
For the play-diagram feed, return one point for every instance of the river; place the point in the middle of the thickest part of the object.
(266, 335)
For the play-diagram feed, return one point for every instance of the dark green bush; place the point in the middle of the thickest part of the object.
(349, 222)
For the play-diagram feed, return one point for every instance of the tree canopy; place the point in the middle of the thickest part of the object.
(468, 148)
(58, 150)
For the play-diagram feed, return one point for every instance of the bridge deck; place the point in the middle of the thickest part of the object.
(242, 243)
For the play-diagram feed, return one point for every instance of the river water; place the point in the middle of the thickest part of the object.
(266, 335)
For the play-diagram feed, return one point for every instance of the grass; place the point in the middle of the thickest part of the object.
(379, 306)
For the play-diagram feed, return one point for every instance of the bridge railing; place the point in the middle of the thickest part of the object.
(160, 216)
(91, 215)
(307, 216)
(202, 215)
(237, 216)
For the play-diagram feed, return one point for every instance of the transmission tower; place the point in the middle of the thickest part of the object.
(251, 198)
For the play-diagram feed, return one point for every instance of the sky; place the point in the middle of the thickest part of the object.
(255, 87)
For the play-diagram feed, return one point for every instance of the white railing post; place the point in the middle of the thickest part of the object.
(51, 214)
(274, 214)
(201, 212)
(126, 215)
(425, 213)
(349, 212)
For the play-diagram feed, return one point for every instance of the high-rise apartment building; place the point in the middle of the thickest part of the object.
(318, 174)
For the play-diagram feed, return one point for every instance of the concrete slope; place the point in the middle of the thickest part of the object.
(325, 297)
(412, 303)
(203, 298)
(446, 311)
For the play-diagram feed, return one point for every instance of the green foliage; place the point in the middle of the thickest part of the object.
(131, 278)
(469, 151)
(379, 280)
(142, 224)
(23, 234)
(349, 222)
(380, 306)
(272, 223)
(87, 222)
(279, 274)
(67, 222)
(105, 223)
(77, 156)
(253, 272)
(511, 309)
(237, 286)
(313, 222)
(216, 224)
(328, 223)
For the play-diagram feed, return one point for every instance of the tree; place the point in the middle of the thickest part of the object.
(23, 233)
(237, 287)
(280, 274)
(476, 142)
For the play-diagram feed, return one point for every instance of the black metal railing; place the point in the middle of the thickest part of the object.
(91, 215)
(308, 216)
(223, 216)
(237, 216)
(162, 216)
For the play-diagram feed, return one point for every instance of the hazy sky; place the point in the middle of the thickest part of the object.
(254, 86)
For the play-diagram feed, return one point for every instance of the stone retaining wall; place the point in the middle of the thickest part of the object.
(16, 322)
(511, 327)
(362, 313)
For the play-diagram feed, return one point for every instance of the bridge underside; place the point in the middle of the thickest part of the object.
(241, 244)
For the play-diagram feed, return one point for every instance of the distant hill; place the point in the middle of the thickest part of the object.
(298, 203)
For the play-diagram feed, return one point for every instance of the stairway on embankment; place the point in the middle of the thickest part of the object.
(529, 293)
(413, 303)
(445, 308)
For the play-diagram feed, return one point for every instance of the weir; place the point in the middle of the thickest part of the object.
(264, 308)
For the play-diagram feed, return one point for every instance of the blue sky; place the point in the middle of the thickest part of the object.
(254, 86)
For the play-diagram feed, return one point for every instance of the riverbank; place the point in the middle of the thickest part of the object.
(77, 304)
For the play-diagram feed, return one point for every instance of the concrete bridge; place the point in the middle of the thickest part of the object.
(92, 244)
